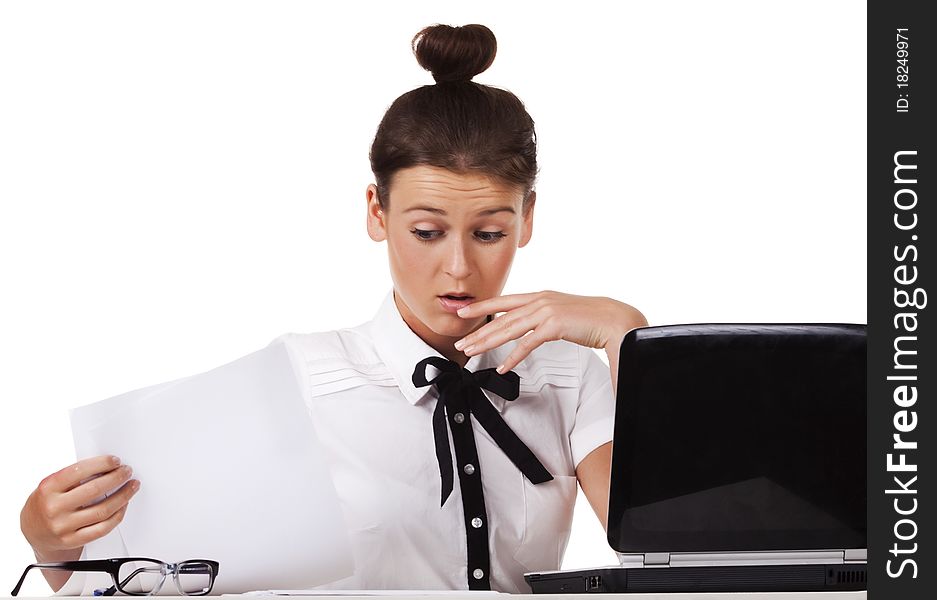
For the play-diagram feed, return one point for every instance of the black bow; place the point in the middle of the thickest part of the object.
(454, 379)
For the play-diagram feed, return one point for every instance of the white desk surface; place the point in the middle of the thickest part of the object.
(469, 596)
(595, 596)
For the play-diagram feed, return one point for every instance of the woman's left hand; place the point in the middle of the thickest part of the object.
(591, 321)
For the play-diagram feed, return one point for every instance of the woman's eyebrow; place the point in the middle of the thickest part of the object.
(483, 212)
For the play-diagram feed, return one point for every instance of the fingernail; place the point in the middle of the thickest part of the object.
(129, 471)
(135, 485)
(461, 311)
(115, 460)
(459, 344)
(500, 370)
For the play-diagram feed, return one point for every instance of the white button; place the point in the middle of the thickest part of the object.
(478, 573)
(476, 522)
(469, 469)
(458, 417)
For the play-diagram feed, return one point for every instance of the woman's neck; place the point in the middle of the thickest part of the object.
(443, 344)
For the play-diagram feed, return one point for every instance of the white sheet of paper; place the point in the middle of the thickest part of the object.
(230, 470)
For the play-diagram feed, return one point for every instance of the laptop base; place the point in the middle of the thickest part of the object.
(748, 578)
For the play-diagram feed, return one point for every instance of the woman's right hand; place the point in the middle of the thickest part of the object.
(58, 518)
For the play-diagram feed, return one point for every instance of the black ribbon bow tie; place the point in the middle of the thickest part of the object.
(454, 380)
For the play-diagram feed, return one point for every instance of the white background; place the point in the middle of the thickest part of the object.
(181, 182)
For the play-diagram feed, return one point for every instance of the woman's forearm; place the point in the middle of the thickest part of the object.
(612, 351)
(633, 320)
(54, 577)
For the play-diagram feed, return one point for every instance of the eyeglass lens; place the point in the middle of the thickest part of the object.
(193, 577)
(148, 577)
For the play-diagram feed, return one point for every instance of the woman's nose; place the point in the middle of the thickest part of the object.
(458, 261)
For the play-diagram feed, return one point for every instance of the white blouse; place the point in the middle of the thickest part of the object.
(376, 427)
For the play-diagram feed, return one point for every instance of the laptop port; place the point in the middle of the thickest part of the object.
(594, 583)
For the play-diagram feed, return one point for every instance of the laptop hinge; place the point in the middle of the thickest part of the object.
(715, 559)
(718, 559)
(632, 561)
(855, 555)
(657, 559)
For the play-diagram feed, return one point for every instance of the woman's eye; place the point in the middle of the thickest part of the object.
(423, 235)
(484, 236)
(490, 236)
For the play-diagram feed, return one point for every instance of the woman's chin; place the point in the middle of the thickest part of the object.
(453, 325)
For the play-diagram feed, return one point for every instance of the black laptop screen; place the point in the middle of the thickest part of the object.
(740, 437)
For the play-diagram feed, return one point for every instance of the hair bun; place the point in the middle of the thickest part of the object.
(455, 53)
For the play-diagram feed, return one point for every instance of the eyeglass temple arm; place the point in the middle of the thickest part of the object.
(113, 589)
(131, 576)
(75, 565)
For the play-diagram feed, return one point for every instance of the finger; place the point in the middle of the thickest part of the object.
(92, 532)
(475, 338)
(524, 347)
(104, 509)
(471, 340)
(72, 475)
(89, 491)
(510, 327)
(496, 304)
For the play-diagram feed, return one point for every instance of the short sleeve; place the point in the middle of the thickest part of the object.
(595, 412)
(297, 360)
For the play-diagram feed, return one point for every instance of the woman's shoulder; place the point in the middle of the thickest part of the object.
(333, 361)
(349, 344)
(559, 363)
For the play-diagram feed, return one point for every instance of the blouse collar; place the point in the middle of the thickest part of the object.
(401, 349)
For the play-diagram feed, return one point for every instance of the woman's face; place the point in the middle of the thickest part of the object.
(447, 234)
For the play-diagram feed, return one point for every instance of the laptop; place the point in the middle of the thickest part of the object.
(739, 462)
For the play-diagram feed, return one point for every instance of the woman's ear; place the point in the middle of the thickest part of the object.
(376, 220)
(527, 226)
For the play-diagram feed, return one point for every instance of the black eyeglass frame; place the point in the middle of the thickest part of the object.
(112, 566)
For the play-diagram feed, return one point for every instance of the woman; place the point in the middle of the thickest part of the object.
(454, 166)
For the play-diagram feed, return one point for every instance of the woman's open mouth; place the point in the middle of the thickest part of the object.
(454, 303)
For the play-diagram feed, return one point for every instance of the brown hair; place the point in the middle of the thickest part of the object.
(456, 124)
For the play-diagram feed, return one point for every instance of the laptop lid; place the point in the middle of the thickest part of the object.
(740, 437)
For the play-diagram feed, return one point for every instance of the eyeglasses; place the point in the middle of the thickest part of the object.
(141, 576)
